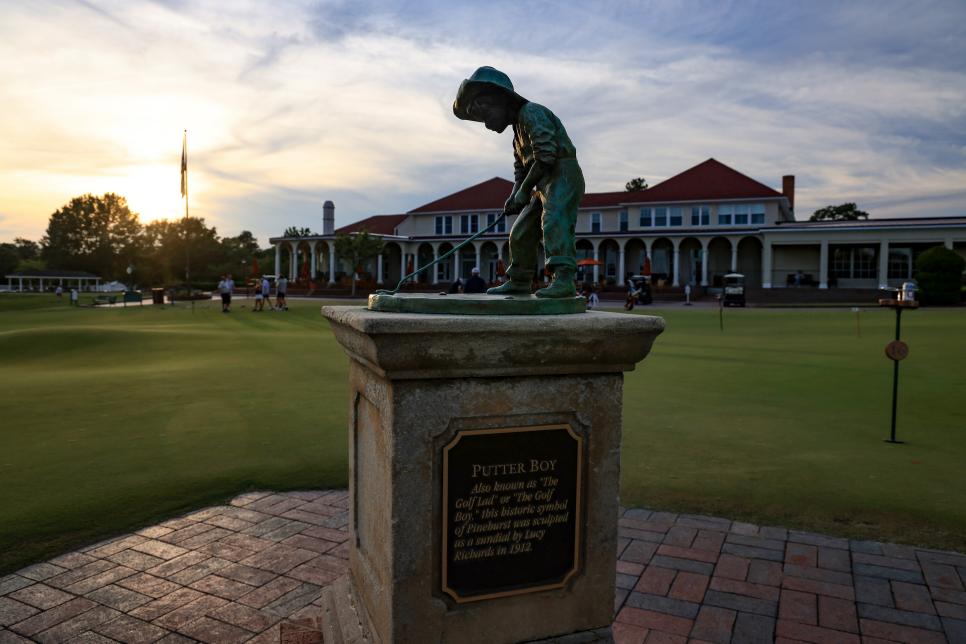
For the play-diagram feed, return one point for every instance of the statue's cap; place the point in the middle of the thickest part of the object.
(483, 80)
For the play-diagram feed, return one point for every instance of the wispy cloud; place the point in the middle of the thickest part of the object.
(288, 104)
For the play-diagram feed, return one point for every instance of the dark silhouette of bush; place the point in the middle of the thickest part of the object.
(939, 272)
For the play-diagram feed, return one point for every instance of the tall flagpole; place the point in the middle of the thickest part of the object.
(187, 222)
(184, 193)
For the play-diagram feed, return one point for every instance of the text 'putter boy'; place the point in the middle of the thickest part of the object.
(548, 183)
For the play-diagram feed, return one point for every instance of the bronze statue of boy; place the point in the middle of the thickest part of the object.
(548, 183)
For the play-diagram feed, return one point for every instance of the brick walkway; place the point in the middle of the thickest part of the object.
(714, 580)
(244, 571)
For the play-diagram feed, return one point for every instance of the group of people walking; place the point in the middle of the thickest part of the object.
(263, 293)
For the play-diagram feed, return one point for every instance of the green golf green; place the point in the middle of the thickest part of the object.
(116, 418)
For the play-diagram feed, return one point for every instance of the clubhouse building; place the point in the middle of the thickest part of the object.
(691, 229)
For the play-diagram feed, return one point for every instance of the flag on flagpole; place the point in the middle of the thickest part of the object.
(184, 165)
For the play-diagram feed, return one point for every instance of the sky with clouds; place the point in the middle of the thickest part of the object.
(290, 103)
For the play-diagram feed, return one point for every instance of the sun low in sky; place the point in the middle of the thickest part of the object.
(288, 104)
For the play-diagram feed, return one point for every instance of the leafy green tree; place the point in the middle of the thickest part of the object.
(295, 231)
(96, 234)
(9, 258)
(238, 253)
(939, 272)
(357, 249)
(165, 251)
(843, 212)
(26, 248)
(636, 184)
(22, 254)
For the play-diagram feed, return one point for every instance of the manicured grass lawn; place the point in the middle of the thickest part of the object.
(780, 419)
(116, 418)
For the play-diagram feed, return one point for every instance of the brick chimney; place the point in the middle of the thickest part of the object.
(788, 189)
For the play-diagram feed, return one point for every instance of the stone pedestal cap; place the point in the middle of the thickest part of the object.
(408, 346)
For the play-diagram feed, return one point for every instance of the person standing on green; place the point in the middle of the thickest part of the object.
(548, 182)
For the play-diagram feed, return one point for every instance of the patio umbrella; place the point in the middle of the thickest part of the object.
(305, 268)
(255, 267)
(409, 265)
(646, 269)
(500, 268)
(590, 262)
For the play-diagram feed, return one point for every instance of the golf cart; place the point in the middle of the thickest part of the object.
(734, 289)
(638, 291)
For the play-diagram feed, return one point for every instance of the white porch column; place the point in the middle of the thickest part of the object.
(379, 268)
(884, 263)
(331, 249)
(765, 263)
(676, 272)
(293, 269)
(948, 243)
(10, 284)
(402, 261)
(21, 284)
(823, 265)
(41, 285)
(597, 266)
(312, 269)
(457, 262)
(278, 260)
(476, 247)
(734, 255)
(435, 259)
(620, 263)
(704, 263)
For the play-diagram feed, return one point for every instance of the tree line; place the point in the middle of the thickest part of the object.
(101, 235)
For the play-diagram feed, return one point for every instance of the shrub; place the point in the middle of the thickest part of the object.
(939, 272)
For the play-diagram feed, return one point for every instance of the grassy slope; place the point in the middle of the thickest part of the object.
(116, 418)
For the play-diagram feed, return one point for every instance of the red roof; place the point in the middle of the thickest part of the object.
(377, 225)
(708, 180)
(606, 199)
(489, 195)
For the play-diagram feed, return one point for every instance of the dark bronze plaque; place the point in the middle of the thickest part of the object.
(511, 510)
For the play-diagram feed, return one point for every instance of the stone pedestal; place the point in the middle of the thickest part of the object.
(484, 468)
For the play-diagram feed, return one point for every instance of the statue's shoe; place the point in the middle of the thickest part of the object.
(558, 289)
(510, 288)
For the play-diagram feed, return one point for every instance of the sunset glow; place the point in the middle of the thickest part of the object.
(289, 104)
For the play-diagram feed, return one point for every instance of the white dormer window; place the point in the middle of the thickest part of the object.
(444, 225)
(500, 227)
(757, 213)
(645, 218)
(701, 216)
(469, 224)
(741, 214)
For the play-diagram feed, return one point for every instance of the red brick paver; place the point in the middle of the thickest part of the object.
(228, 573)
(255, 568)
(769, 584)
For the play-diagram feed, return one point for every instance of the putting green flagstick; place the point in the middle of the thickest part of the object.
(442, 257)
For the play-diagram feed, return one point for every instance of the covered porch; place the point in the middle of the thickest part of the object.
(45, 279)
